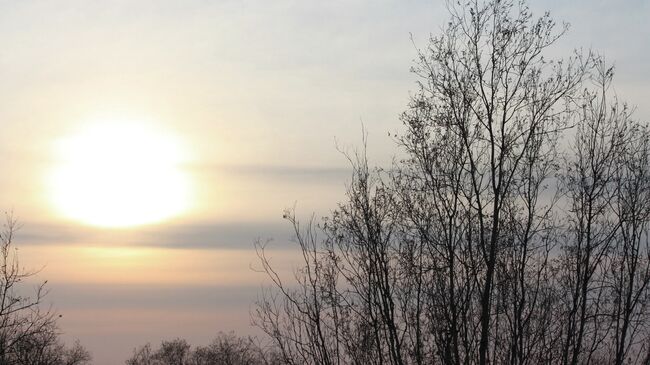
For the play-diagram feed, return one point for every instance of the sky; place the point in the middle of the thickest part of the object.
(257, 98)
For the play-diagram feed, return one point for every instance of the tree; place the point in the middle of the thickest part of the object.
(28, 333)
(225, 349)
(492, 241)
(604, 266)
(229, 349)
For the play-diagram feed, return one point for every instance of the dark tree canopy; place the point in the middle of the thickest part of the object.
(225, 349)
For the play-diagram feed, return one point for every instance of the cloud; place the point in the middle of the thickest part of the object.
(71, 297)
(217, 235)
(287, 173)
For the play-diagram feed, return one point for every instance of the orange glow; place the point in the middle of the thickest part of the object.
(153, 265)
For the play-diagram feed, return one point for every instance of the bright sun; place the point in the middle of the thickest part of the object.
(119, 174)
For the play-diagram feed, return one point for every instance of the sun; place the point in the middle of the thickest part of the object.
(119, 173)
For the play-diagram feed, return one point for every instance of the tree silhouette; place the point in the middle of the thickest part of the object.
(514, 231)
(28, 332)
(225, 349)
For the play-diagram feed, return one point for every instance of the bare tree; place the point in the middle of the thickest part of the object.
(605, 268)
(229, 349)
(142, 356)
(28, 331)
(225, 349)
(630, 260)
(45, 349)
(491, 242)
(20, 316)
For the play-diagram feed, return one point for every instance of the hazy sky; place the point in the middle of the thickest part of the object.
(256, 92)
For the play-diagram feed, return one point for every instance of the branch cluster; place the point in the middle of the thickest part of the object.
(515, 231)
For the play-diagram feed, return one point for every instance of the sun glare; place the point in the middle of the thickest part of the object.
(119, 174)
